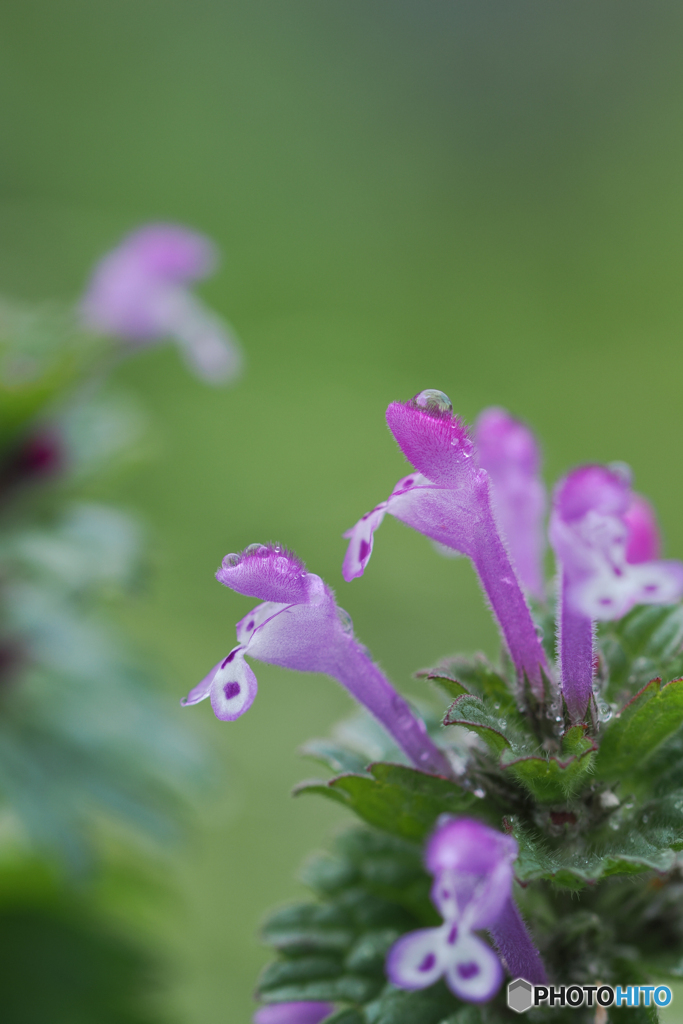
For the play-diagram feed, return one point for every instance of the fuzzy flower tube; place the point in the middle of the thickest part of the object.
(472, 869)
(139, 292)
(448, 499)
(508, 451)
(606, 543)
(299, 626)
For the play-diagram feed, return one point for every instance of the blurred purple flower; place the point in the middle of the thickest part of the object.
(594, 523)
(448, 500)
(472, 868)
(139, 292)
(299, 626)
(293, 1013)
(508, 451)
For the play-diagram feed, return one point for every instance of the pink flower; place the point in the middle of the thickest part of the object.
(472, 868)
(602, 536)
(448, 499)
(299, 626)
(139, 292)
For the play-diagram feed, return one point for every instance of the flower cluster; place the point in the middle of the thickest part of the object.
(479, 495)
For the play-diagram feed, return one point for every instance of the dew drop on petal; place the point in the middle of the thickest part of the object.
(255, 549)
(230, 560)
(345, 620)
(433, 401)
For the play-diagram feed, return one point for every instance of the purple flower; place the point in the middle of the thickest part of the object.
(472, 868)
(293, 1013)
(299, 626)
(508, 451)
(594, 526)
(643, 543)
(448, 500)
(139, 292)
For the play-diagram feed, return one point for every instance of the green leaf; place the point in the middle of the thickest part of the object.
(400, 800)
(640, 645)
(348, 988)
(629, 854)
(303, 969)
(553, 779)
(346, 1017)
(460, 675)
(368, 954)
(471, 713)
(310, 927)
(649, 718)
(426, 1006)
(327, 875)
(337, 757)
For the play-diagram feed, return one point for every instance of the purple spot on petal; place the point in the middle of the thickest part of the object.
(226, 661)
(231, 690)
(468, 970)
(427, 963)
(410, 482)
(453, 934)
(250, 625)
(364, 550)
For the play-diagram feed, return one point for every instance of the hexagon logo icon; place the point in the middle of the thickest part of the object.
(520, 995)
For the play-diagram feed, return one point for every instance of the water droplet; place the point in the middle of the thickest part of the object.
(645, 817)
(230, 560)
(255, 549)
(497, 707)
(433, 401)
(479, 792)
(558, 718)
(503, 723)
(424, 756)
(345, 620)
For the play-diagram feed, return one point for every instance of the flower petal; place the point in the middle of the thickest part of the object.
(434, 440)
(268, 572)
(251, 622)
(474, 972)
(202, 690)
(419, 958)
(293, 1013)
(233, 688)
(361, 539)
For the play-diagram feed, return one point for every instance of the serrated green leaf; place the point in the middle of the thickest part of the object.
(302, 969)
(310, 927)
(346, 1017)
(654, 714)
(426, 1006)
(629, 854)
(451, 686)
(326, 874)
(471, 713)
(553, 779)
(348, 988)
(475, 676)
(368, 954)
(400, 800)
(640, 645)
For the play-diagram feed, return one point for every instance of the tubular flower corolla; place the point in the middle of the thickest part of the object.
(507, 450)
(606, 542)
(472, 869)
(293, 1013)
(139, 292)
(448, 499)
(299, 626)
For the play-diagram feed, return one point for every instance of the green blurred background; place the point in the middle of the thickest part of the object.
(481, 197)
